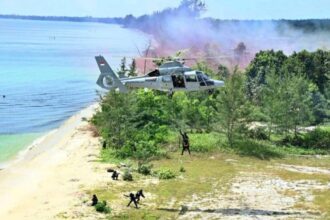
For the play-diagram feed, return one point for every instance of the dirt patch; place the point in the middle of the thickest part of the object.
(252, 196)
(304, 169)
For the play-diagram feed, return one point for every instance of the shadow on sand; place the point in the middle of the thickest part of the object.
(232, 211)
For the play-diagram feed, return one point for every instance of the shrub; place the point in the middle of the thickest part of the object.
(102, 207)
(182, 169)
(127, 176)
(259, 149)
(165, 174)
(293, 140)
(140, 150)
(317, 139)
(257, 133)
(144, 168)
(205, 142)
(146, 149)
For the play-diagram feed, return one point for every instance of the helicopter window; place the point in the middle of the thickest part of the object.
(166, 78)
(191, 78)
(178, 81)
(204, 79)
(199, 76)
(154, 73)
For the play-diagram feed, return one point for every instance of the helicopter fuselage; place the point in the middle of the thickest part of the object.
(170, 77)
(186, 81)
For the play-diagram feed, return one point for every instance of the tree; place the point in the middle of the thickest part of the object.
(298, 101)
(191, 8)
(315, 66)
(114, 119)
(132, 69)
(231, 106)
(287, 102)
(223, 72)
(263, 63)
(122, 71)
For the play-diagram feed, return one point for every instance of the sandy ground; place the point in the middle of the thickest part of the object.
(49, 179)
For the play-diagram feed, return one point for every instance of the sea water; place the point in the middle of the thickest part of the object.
(48, 73)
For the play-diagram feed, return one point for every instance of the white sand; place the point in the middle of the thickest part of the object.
(49, 179)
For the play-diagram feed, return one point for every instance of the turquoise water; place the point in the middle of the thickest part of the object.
(48, 73)
(12, 143)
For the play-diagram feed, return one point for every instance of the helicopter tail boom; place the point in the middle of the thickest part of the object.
(107, 72)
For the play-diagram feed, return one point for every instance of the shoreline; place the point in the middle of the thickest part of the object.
(21, 154)
(49, 177)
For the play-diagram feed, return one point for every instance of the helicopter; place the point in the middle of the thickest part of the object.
(170, 77)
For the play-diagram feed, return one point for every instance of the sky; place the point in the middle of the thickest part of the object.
(223, 9)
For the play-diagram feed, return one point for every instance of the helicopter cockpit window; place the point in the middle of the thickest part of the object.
(191, 78)
(204, 79)
(202, 76)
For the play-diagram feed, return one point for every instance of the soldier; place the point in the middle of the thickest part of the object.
(104, 145)
(115, 175)
(185, 142)
(95, 200)
(138, 195)
(132, 199)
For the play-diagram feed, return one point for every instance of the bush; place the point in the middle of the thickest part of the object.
(140, 150)
(146, 150)
(257, 133)
(293, 140)
(165, 174)
(102, 207)
(144, 168)
(205, 142)
(182, 170)
(258, 149)
(127, 176)
(317, 139)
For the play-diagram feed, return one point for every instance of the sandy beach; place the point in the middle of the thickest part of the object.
(49, 179)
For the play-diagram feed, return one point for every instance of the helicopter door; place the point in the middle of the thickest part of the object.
(191, 81)
(178, 81)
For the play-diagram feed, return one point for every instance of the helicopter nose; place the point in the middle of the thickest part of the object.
(218, 83)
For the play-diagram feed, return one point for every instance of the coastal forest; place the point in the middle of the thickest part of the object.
(278, 104)
(271, 101)
(267, 128)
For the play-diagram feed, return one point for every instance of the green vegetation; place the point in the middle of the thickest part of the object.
(127, 176)
(102, 207)
(205, 173)
(182, 170)
(171, 189)
(296, 85)
(144, 168)
(261, 112)
(165, 174)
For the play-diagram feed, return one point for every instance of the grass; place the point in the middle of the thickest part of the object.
(322, 202)
(296, 176)
(207, 165)
(203, 170)
(201, 173)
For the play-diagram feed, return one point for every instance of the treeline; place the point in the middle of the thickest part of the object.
(310, 70)
(63, 18)
(192, 9)
(282, 94)
(188, 9)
